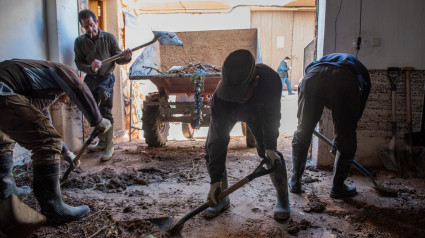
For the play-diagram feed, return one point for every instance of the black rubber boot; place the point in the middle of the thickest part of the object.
(221, 206)
(7, 182)
(279, 179)
(48, 193)
(299, 158)
(341, 169)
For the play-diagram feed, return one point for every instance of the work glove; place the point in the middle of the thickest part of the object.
(273, 157)
(69, 157)
(103, 125)
(215, 190)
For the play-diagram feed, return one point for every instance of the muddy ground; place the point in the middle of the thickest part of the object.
(141, 182)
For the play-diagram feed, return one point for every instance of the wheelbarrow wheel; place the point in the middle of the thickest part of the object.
(250, 139)
(188, 131)
(155, 130)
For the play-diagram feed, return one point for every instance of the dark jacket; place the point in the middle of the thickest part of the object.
(46, 80)
(103, 47)
(262, 110)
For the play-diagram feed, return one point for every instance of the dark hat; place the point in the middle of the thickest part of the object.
(237, 74)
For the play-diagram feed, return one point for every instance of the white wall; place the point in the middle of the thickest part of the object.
(398, 24)
(23, 29)
(239, 18)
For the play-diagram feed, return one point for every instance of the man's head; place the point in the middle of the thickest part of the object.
(238, 79)
(287, 59)
(88, 21)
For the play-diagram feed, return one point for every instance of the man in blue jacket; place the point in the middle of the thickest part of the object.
(341, 83)
(282, 70)
(247, 92)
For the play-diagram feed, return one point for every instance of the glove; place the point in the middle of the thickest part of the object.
(69, 157)
(103, 125)
(215, 190)
(273, 157)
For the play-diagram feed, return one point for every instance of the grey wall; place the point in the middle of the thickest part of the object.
(23, 29)
(398, 24)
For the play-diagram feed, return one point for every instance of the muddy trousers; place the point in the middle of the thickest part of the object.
(48, 193)
(23, 123)
(337, 89)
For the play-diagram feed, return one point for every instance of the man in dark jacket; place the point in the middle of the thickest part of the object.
(22, 81)
(249, 93)
(90, 49)
(341, 83)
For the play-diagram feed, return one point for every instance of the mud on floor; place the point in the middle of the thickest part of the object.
(141, 182)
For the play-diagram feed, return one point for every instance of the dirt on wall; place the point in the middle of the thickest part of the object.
(142, 182)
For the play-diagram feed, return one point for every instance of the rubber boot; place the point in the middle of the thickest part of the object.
(299, 158)
(341, 169)
(48, 193)
(222, 205)
(7, 182)
(109, 145)
(279, 179)
(100, 146)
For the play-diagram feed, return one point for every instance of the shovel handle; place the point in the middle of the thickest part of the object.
(358, 166)
(86, 144)
(115, 57)
(74, 163)
(259, 171)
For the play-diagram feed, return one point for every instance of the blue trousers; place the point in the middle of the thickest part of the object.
(288, 84)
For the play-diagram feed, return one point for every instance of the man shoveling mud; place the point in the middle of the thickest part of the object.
(250, 93)
(341, 83)
(22, 81)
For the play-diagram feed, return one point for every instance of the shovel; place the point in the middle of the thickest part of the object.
(163, 37)
(17, 219)
(390, 161)
(381, 189)
(76, 162)
(164, 223)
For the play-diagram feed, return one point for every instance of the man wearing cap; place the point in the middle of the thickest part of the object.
(248, 92)
(341, 83)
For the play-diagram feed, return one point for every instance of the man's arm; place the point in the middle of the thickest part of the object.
(80, 60)
(217, 141)
(115, 50)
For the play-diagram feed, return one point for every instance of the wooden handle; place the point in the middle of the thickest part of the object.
(115, 57)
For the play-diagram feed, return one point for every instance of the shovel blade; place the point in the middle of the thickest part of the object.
(163, 223)
(18, 219)
(168, 38)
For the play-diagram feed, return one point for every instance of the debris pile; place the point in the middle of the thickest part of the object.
(192, 68)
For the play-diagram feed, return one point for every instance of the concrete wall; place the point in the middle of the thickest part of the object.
(399, 27)
(23, 29)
